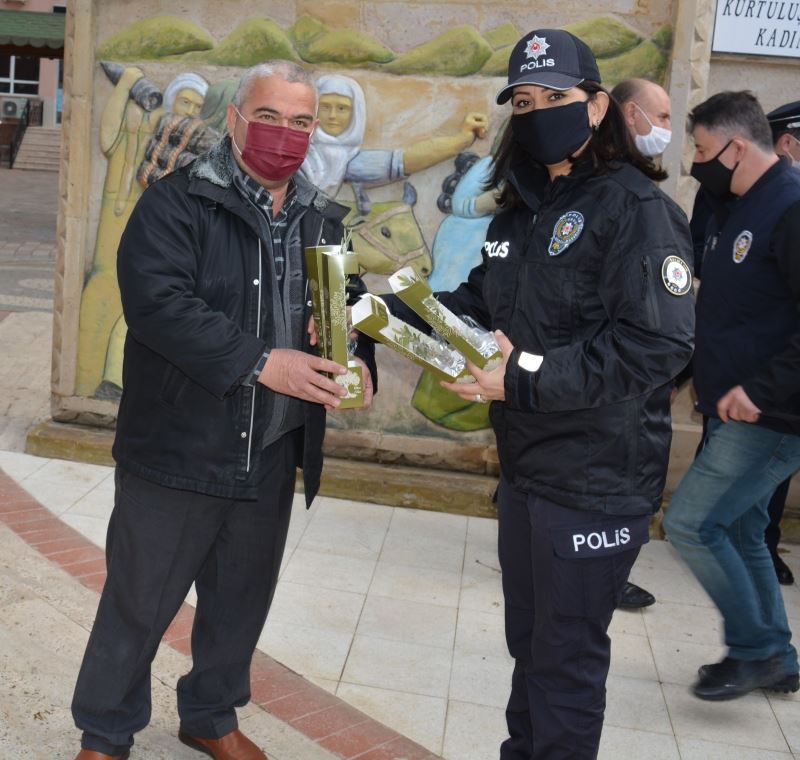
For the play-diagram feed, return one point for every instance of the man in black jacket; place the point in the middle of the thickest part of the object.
(747, 378)
(784, 122)
(223, 398)
(648, 113)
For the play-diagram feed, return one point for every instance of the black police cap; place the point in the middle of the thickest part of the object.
(550, 58)
(786, 116)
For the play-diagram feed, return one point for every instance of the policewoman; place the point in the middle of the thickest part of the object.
(586, 273)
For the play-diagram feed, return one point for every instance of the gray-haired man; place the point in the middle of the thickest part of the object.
(223, 398)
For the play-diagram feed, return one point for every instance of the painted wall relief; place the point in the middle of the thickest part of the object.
(144, 134)
(461, 51)
(147, 130)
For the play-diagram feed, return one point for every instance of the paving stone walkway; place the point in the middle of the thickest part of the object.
(385, 640)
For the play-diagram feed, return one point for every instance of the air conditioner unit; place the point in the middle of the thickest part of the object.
(11, 107)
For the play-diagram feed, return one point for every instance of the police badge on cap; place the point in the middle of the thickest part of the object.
(551, 58)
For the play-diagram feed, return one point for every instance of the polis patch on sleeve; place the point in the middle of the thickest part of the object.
(741, 246)
(676, 276)
(567, 230)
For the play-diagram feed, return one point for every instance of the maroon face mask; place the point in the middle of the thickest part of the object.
(272, 152)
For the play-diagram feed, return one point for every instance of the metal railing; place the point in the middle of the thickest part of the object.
(16, 141)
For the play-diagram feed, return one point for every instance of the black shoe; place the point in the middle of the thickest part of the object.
(634, 597)
(732, 678)
(785, 577)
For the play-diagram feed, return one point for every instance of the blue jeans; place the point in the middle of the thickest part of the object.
(716, 520)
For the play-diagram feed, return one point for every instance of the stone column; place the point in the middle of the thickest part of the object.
(73, 211)
(690, 65)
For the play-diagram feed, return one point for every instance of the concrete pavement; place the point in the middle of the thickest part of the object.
(28, 213)
(398, 613)
(46, 618)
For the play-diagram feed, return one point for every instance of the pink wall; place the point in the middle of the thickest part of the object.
(30, 5)
(48, 69)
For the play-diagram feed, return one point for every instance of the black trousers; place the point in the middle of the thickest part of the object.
(563, 571)
(772, 534)
(160, 541)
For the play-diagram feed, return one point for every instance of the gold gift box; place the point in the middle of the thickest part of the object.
(371, 317)
(328, 267)
(476, 344)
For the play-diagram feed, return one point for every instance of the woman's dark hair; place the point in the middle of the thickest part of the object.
(610, 145)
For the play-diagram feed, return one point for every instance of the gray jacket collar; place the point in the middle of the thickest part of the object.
(216, 167)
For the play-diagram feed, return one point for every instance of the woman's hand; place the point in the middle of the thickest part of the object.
(489, 386)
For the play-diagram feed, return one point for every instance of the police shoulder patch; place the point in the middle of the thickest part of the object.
(567, 230)
(741, 246)
(676, 276)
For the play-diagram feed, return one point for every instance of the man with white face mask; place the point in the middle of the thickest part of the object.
(647, 111)
(646, 108)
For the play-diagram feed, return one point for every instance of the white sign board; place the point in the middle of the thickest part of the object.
(757, 27)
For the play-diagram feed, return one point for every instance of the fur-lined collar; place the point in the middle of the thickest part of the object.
(216, 167)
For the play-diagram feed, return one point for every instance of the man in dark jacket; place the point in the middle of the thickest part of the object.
(223, 398)
(784, 122)
(747, 378)
(648, 116)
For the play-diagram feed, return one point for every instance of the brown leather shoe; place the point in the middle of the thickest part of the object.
(90, 754)
(232, 746)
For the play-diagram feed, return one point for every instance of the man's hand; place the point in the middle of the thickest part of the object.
(476, 123)
(298, 374)
(490, 386)
(736, 405)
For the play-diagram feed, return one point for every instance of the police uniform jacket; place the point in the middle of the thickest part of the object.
(593, 275)
(194, 292)
(748, 323)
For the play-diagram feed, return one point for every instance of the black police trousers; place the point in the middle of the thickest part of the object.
(563, 571)
(161, 540)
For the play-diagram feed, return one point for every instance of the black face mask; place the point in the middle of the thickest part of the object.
(714, 176)
(551, 135)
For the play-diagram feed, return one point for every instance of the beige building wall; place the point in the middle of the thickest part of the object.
(774, 81)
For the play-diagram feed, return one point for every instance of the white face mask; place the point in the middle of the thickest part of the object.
(655, 142)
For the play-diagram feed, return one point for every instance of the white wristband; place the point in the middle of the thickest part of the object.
(530, 362)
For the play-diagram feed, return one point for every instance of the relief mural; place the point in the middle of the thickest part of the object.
(147, 130)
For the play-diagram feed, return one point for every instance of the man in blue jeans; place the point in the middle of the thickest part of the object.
(747, 379)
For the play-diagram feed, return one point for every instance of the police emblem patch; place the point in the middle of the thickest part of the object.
(741, 246)
(676, 276)
(536, 46)
(567, 230)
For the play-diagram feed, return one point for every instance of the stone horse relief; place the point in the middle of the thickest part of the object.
(388, 237)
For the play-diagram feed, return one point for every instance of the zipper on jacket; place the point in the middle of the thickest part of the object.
(320, 241)
(258, 335)
(647, 295)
